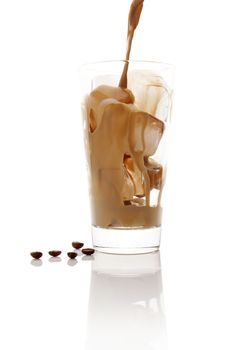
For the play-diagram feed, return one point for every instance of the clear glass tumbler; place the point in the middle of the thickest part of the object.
(126, 132)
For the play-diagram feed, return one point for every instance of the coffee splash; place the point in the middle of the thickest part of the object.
(121, 139)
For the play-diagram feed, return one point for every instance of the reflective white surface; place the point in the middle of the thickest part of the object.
(96, 302)
(109, 301)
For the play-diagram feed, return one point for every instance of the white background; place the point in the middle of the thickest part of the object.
(43, 187)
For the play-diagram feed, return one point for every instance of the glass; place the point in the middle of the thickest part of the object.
(126, 132)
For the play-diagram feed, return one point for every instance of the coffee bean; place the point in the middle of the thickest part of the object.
(36, 255)
(54, 253)
(72, 255)
(77, 245)
(88, 251)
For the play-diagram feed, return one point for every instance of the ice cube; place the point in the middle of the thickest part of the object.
(145, 133)
(152, 94)
(138, 202)
(92, 120)
(102, 96)
(114, 186)
(121, 95)
(152, 135)
(128, 186)
(155, 172)
(135, 174)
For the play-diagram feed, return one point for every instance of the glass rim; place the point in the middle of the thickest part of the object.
(88, 66)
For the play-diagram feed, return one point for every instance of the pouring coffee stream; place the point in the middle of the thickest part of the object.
(134, 17)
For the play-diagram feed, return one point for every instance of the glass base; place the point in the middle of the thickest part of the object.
(126, 241)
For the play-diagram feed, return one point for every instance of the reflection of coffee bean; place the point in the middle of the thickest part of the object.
(37, 262)
(77, 245)
(88, 251)
(55, 259)
(36, 255)
(54, 253)
(72, 262)
(72, 255)
(88, 258)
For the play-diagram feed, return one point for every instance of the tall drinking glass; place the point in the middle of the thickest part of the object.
(126, 132)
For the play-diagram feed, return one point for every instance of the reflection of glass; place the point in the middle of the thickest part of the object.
(126, 303)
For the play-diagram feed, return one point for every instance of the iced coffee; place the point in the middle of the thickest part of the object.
(126, 115)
